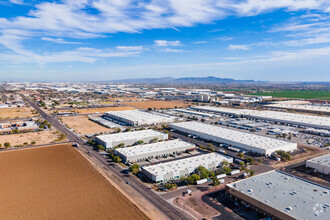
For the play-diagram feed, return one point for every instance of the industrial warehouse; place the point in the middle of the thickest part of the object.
(320, 164)
(179, 168)
(282, 196)
(129, 138)
(137, 117)
(154, 150)
(202, 114)
(275, 116)
(248, 141)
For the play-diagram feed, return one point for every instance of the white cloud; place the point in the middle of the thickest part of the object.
(70, 19)
(16, 1)
(200, 42)
(165, 43)
(238, 47)
(58, 40)
(170, 50)
(130, 48)
(225, 38)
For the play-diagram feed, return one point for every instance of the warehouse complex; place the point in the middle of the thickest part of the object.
(301, 107)
(179, 168)
(248, 141)
(137, 117)
(282, 196)
(275, 116)
(154, 150)
(320, 164)
(129, 138)
(190, 112)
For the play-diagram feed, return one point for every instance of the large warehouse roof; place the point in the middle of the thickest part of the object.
(189, 164)
(140, 117)
(129, 135)
(315, 108)
(314, 121)
(322, 160)
(287, 194)
(248, 139)
(154, 147)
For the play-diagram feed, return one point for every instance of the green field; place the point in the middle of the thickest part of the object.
(296, 94)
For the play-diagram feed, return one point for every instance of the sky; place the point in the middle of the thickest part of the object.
(96, 40)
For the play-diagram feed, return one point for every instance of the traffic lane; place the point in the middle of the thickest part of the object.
(177, 193)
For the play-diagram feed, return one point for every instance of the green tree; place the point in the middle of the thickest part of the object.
(203, 172)
(139, 142)
(216, 181)
(6, 144)
(249, 160)
(227, 170)
(128, 129)
(154, 140)
(242, 163)
(100, 147)
(225, 163)
(196, 177)
(240, 155)
(135, 168)
(190, 180)
(116, 159)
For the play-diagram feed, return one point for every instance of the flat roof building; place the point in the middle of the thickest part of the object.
(301, 107)
(282, 196)
(202, 114)
(320, 164)
(137, 117)
(149, 151)
(179, 168)
(248, 141)
(281, 117)
(129, 138)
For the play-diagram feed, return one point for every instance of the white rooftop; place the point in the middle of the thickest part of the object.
(322, 160)
(296, 197)
(141, 117)
(129, 135)
(154, 147)
(316, 108)
(293, 117)
(246, 138)
(190, 164)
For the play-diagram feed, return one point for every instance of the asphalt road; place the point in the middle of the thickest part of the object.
(138, 186)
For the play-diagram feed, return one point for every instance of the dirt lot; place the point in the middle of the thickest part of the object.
(56, 182)
(101, 110)
(156, 104)
(82, 125)
(41, 137)
(6, 113)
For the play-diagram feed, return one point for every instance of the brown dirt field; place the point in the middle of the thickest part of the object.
(156, 104)
(82, 125)
(56, 182)
(15, 113)
(41, 137)
(101, 110)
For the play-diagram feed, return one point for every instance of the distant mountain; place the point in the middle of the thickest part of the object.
(209, 79)
(184, 80)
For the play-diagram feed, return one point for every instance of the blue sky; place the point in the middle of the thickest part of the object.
(83, 40)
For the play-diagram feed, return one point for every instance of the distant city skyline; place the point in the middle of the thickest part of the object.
(83, 40)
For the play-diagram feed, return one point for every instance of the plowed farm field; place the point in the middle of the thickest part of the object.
(57, 182)
(156, 104)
